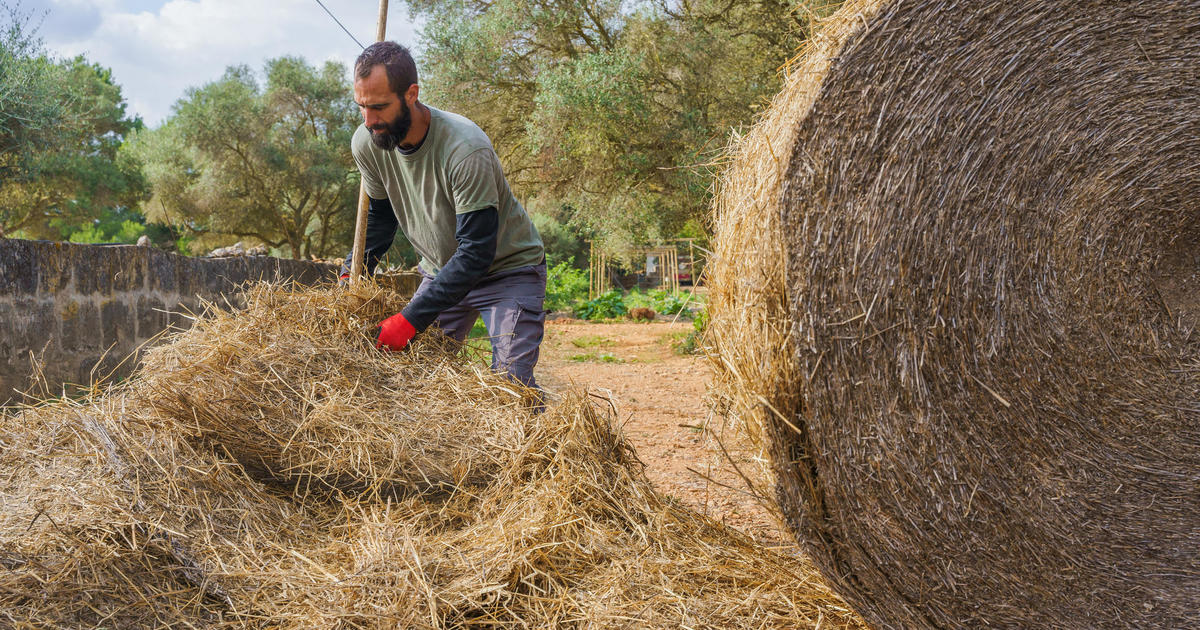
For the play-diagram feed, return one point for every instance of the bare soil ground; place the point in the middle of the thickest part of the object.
(660, 398)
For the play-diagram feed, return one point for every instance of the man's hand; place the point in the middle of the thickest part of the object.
(394, 333)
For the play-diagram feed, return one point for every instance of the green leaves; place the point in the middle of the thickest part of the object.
(61, 126)
(266, 160)
(609, 305)
(565, 286)
(584, 108)
(614, 109)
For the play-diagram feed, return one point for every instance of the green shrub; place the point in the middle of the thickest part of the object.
(562, 242)
(183, 245)
(700, 321)
(614, 304)
(126, 232)
(690, 344)
(636, 299)
(663, 302)
(668, 303)
(565, 286)
(607, 306)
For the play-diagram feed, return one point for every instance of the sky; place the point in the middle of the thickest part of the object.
(159, 48)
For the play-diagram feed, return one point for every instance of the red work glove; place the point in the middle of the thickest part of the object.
(394, 333)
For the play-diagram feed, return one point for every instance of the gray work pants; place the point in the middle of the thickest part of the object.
(511, 303)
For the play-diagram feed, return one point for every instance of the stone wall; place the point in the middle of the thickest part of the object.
(84, 309)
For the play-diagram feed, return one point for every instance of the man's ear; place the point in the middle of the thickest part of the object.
(410, 95)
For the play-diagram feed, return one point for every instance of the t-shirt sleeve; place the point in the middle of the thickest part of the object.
(366, 165)
(474, 182)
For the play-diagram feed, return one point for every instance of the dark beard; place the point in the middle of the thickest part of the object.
(392, 134)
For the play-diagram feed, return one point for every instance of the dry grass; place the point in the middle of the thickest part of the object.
(987, 414)
(270, 469)
(748, 338)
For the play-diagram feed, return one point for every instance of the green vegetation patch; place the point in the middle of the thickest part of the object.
(590, 341)
(610, 305)
(593, 357)
(565, 286)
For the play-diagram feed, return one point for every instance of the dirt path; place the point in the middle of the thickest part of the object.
(659, 396)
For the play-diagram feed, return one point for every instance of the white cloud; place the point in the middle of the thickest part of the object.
(72, 19)
(159, 49)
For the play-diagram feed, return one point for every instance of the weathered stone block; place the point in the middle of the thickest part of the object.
(226, 277)
(18, 267)
(404, 283)
(208, 279)
(34, 324)
(114, 268)
(115, 367)
(306, 272)
(180, 316)
(10, 385)
(7, 329)
(54, 268)
(129, 263)
(161, 270)
(186, 276)
(151, 317)
(116, 325)
(88, 270)
(79, 326)
(106, 368)
(67, 311)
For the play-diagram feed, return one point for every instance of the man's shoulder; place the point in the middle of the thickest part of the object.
(462, 135)
(360, 142)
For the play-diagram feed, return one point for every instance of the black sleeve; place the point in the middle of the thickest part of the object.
(381, 230)
(476, 233)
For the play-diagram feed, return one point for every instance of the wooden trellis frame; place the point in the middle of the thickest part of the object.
(600, 278)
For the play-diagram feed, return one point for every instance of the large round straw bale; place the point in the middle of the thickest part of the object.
(989, 412)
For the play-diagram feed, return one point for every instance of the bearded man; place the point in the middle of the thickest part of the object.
(435, 175)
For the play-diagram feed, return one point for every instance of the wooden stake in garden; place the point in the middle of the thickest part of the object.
(360, 222)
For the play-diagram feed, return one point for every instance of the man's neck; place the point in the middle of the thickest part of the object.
(420, 128)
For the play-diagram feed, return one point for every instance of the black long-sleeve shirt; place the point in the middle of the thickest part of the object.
(476, 233)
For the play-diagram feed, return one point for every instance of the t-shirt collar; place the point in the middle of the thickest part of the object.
(415, 152)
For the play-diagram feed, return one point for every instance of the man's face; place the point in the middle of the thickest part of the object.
(385, 113)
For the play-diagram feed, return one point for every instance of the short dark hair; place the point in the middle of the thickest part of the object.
(395, 59)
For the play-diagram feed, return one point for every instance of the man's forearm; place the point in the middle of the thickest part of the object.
(476, 233)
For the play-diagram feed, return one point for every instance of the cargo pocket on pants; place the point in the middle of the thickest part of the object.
(516, 348)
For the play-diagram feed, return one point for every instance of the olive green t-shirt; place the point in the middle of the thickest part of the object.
(454, 171)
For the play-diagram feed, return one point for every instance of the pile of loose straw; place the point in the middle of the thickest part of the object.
(269, 468)
(980, 408)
